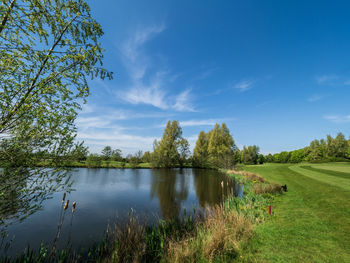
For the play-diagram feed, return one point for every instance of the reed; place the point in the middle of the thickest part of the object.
(218, 238)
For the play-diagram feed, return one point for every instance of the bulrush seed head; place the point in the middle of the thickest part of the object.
(66, 205)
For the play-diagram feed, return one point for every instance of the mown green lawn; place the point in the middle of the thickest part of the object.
(311, 222)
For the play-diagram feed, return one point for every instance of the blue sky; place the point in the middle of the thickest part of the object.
(276, 72)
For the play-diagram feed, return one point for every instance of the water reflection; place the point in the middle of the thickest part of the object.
(212, 187)
(136, 178)
(23, 190)
(171, 188)
(101, 194)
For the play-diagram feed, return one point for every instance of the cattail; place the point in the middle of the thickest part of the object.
(64, 198)
(66, 205)
(73, 206)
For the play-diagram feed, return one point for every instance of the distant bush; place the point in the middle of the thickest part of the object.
(93, 161)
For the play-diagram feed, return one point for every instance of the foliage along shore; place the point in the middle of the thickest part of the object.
(217, 234)
(214, 149)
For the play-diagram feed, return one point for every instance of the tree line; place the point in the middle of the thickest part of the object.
(325, 150)
(213, 149)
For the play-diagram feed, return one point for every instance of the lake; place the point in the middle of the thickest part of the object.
(105, 195)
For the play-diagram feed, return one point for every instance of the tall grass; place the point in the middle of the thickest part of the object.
(217, 237)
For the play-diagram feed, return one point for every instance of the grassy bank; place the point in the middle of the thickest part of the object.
(311, 222)
(214, 235)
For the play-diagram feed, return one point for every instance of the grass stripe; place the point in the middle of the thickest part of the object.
(339, 168)
(339, 182)
(326, 171)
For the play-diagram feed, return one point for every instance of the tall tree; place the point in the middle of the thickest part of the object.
(107, 153)
(184, 151)
(250, 154)
(200, 151)
(315, 153)
(117, 155)
(166, 152)
(48, 49)
(221, 146)
(146, 158)
(341, 145)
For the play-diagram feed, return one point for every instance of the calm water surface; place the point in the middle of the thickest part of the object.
(106, 195)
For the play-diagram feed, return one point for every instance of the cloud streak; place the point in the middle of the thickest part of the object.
(149, 88)
(315, 97)
(326, 79)
(244, 85)
(183, 102)
(338, 118)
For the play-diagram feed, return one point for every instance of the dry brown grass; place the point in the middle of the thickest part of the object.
(249, 176)
(267, 188)
(219, 236)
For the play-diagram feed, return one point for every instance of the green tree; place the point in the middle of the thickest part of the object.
(146, 158)
(166, 152)
(284, 157)
(134, 159)
(107, 153)
(276, 158)
(80, 152)
(117, 155)
(250, 154)
(297, 156)
(93, 161)
(261, 159)
(48, 50)
(341, 145)
(200, 151)
(184, 151)
(221, 147)
(315, 153)
(269, 158)
(330, 148)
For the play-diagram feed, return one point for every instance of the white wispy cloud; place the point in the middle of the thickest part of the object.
(338, 118)
(315, 97)
(326, 78)
(152, 95)
(244, 85)
(183, 102)
(147, 87)
(205, 122)
(189, 123)
(134, 59)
